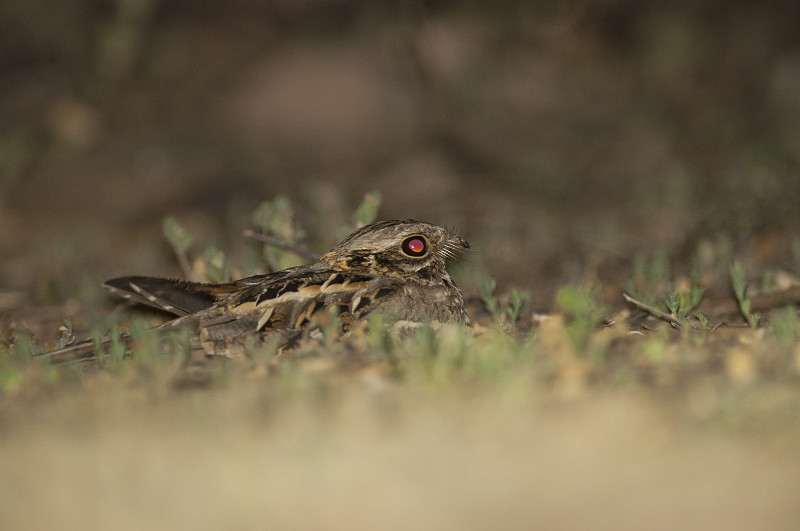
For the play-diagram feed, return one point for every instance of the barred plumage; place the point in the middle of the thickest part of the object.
(396, 268)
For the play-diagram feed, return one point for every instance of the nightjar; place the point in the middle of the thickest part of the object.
(395, 268)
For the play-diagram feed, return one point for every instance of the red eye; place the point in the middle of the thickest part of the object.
(415, 246)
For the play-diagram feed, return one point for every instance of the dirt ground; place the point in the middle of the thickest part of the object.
(568, 142)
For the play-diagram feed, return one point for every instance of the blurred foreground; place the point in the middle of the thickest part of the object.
(365, 454)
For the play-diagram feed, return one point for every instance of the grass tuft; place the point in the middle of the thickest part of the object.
(739, 282)
(582, 311)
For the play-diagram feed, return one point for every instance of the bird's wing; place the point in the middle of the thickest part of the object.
(292, 305)
(290, 301)
(178, 297)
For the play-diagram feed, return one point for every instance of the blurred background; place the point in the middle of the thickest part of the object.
(557, 136)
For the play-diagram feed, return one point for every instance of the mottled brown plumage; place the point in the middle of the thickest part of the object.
(395, 268)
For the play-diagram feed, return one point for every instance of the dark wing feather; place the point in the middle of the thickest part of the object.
(178, 297)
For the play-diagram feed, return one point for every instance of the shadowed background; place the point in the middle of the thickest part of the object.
(551, 136)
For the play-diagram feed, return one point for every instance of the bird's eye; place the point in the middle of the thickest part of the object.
(415, 246)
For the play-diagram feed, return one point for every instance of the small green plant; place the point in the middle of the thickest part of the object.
(218, 270)
(509, 311)
(490, 302)
(680, 304)
(276, 217)
(582, 311)
(673, 302)
(365, 213)
(97, 343)
(518, 302)
(66, 334)
(739, 281)
(275, 222)
(649, 276)
(690, 301)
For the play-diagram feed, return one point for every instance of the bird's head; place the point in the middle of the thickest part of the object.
(405, 249)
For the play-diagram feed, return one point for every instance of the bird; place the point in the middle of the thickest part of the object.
(395, 268)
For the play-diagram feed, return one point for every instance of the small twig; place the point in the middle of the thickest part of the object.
(655, 312)
(269, 240)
